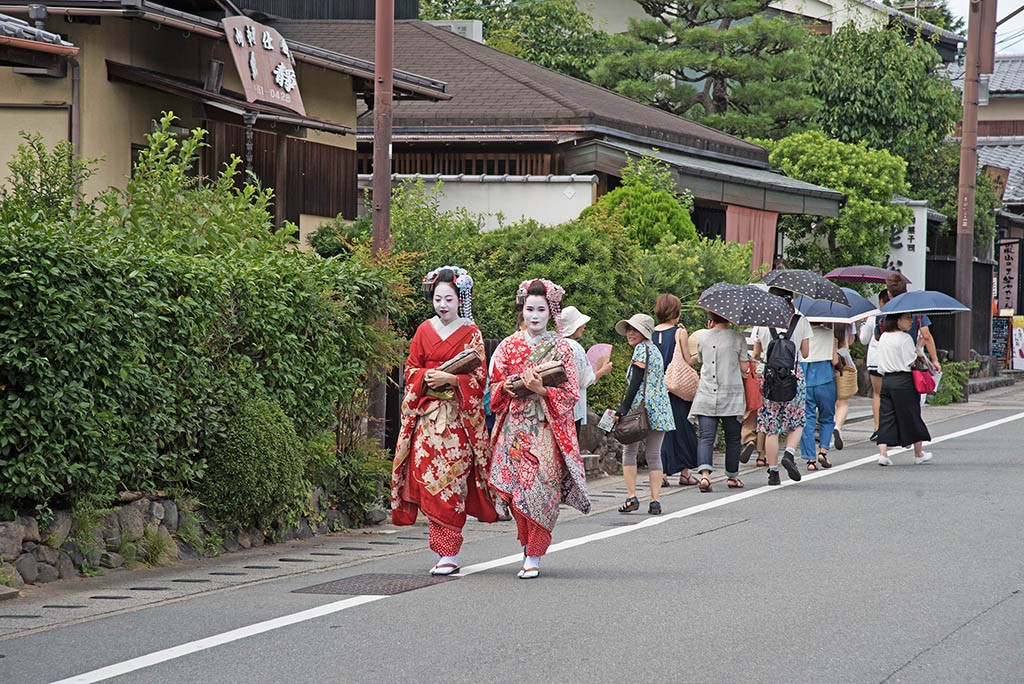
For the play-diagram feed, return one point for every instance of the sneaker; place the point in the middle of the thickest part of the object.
(923, 458)
(837, 439)
(884, 461)
(790, 466)
(773, 477)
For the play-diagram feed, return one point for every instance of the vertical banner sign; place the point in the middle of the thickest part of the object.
(264, 63)
(1009, 269)
(1018, 343)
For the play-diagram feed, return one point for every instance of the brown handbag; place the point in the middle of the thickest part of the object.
(680, 377)
(635, 425)
(463, 363)
(552, 374)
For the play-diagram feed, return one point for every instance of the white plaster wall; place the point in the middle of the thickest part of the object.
(549, 203)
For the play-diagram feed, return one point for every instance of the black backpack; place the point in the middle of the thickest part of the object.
(780, 365)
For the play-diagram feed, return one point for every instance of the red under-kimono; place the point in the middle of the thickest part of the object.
(442, 454)
(535, 458)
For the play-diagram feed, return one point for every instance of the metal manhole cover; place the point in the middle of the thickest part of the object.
(379, 584)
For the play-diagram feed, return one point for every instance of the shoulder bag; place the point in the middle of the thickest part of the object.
(635, 425)
(680, 377)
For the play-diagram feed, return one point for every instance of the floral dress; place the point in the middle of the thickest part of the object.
(442, 454)
(536, 463)
(659, 408)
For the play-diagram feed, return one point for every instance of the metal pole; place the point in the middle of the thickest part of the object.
(384, 36)
(968, 178)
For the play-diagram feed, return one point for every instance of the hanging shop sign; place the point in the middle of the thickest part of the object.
(264, 63)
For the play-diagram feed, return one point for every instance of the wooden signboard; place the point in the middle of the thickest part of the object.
(1001, 337)
(264, 63)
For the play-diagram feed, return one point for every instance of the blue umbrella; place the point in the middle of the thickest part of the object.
(924, 302)
(825, 311)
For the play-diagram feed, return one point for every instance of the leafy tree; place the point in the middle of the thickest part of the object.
(869, 178)
(556, 34)
(722, 63)
(883, 89)
(933, 11)
(648, 204)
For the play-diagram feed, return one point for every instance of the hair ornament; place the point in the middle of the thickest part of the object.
(553, 293)
(463, 284)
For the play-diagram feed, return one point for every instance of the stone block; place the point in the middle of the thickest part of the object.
(303, 531)
(65, 566)
(257, 536)
(109, 529)
(132, 518)
(375, 516)
(8, 593)
(28, 546)
(47, 573)
(170, 515)
(44, 554)
(31, 526)
(156, 511)
(12, 574)
(230, 543)
(28, 567)
(58, 530)
(186, 552)
(244, 540)
(12, 534)
(111, 559)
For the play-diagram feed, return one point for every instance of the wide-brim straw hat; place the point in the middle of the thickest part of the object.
(573, 320)
(642, 323)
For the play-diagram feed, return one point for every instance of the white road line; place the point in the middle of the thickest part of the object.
(175, 652)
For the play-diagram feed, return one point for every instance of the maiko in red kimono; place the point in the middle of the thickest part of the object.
(535, 462)
(442, 454)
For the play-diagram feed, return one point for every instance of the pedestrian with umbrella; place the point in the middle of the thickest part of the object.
(920, 330)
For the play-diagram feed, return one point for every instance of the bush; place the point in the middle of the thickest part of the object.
(255, 470)
(955, 375)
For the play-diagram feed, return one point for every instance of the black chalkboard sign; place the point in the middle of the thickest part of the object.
(1000, 336)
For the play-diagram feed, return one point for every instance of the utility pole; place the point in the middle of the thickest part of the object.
(979, 54)
(383, 70)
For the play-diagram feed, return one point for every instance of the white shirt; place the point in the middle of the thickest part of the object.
(822, 344)
(895, 353)
(802, 332)
(587, 378)
(867, 338)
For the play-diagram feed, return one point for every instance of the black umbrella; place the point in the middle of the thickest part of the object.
(807, 283)
(746, 305)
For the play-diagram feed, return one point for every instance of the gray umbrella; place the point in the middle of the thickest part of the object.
(746, 305)
(807, 283)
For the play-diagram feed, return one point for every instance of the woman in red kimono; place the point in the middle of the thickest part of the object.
(442, 454)
(536, 463)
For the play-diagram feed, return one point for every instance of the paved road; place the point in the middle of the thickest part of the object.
(858, 574)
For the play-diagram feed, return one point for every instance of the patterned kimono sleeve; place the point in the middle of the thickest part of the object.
(471, 385)
(500, 371)
(415, 387)
(562, 398)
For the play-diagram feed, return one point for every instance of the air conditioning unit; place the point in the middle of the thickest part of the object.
(467, 28)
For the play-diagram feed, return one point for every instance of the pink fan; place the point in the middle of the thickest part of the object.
(598, 352)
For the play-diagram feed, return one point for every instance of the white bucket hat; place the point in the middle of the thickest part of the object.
(572, 320)
(642, 323)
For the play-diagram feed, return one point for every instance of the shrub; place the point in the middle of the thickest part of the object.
(255, 470)
(955, 375)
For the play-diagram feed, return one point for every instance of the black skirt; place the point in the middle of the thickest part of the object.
(899, 416)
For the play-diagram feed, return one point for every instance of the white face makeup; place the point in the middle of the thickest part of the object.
(536, 314)
(446, 302)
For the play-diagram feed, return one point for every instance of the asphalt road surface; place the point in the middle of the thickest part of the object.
(856, 574)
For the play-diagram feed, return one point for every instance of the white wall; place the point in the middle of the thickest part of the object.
(908, 247)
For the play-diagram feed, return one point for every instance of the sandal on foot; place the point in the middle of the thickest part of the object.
(528, 573)
(734, 483)
(705, 485)
(444, 569)
(812, 466)
(688, 481)
(654, 508)
(632, 504)
(665, 482)
(823, 460)
(761, 462)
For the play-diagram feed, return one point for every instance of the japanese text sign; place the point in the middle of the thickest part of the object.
(264, 63)
(1009, 268)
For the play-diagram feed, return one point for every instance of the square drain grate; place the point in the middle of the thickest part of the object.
(380, 584)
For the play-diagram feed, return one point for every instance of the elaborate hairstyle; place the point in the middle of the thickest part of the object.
(667, 307)
(543, 287)
(460, 280)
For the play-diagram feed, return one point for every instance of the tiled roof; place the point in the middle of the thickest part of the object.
(1006, 153)
(11, 27)
(1007, 78)
(492, 90)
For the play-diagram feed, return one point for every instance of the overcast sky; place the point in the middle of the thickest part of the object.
(1009, 36)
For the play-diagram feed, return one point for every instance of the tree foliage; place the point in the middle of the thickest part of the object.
(934, 12)
(556, 34)
(722, 63)
(883, 89)
(869, 178)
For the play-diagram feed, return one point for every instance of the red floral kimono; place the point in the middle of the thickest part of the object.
(442, 454)
(535, 461)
